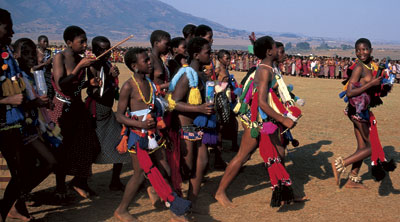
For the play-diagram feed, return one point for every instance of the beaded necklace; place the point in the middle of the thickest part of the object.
(140, 91)
(370, 65)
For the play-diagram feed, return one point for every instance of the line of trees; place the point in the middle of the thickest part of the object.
(304, 46)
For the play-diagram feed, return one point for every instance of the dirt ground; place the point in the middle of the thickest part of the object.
(324, 133)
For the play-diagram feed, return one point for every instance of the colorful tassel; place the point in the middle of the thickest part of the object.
(389, 165)
(200, 120)
(212, 121)
(210, 136)
(237, 107)
(376, 147)
(14, 115)
(377, 171)
(7, 87)
(246, 89)
(238, 91)
(122, 147)
(263, 115)
(180, 206)
(254, 107)
(152, 141)
(160, 123)
(254, 132)
(249, 94)
(56, 131)
(243, 108)
(342, 94)
(171, 102)
(279, 177)
(16, 88)
(268, 128)
(195, 96)
(22, 85)
(162, 188)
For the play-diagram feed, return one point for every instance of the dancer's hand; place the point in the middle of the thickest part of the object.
(85, 62)
(42, 101)
(96, 82)
(148, 124)
(288, 123)
(48, 62)
(206, 108)
(376, 81)
(13, 100)
(114, 71)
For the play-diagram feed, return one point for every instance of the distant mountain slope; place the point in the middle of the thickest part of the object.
(113, 18)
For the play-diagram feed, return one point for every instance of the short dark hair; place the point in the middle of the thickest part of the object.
(131, 56)
(202, 30)
(189, 29)
(364, 41)
(71, 32)
(175, 42)
(41, 37)
(222, 53)
(97, 40)
(195, 45)
(5, 16)
(278, 44)
(261, 45)
(21, 43)
(158, 35)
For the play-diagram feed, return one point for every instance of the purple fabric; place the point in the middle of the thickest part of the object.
(360, 102)
(210, 137)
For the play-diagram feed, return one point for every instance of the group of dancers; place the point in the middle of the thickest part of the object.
(169, 114)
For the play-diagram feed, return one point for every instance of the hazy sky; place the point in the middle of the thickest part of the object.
(377, 20)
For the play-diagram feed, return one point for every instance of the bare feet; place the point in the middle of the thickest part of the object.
(224, 200)
(336, 174)
(125, 216)
(301, 199)
(81, 192)
(154, 198)
(353, 185)
(14, 214)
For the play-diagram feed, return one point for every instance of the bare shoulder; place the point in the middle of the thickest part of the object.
(183, 81)
(127, 87)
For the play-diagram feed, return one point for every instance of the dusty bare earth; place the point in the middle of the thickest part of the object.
(324, 133)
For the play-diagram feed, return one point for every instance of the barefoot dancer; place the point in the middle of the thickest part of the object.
(80, 144)
(12, 91)
(271, 146)
(143, 137)
(363, 91)
(229, 127)
(100, 103)
(187, 103)
(25, 53)
(206, 33)
(45, 61)
(160, 43)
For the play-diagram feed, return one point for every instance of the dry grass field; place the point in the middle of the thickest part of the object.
(324, 132)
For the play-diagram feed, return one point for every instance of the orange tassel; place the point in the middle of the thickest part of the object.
(122, 147)
(150, 131)
(160, 123)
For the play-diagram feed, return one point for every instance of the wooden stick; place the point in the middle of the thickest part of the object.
(119, 43)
